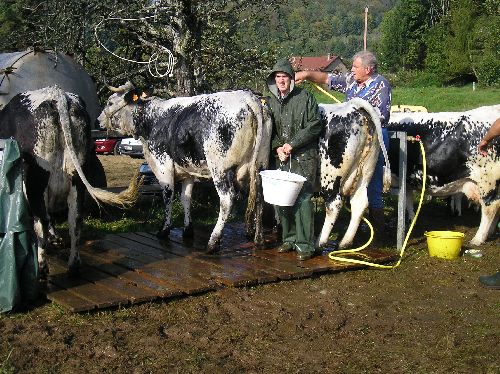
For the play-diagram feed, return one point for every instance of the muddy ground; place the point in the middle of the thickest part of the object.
(426, 316)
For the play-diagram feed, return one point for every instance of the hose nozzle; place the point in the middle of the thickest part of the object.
(415, 138)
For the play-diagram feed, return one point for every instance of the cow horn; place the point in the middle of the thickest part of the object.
(122, 88)
(113, 89)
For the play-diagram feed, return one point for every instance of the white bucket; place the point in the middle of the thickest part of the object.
(281, 187)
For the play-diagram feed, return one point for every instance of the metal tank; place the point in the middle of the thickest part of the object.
(31, 70)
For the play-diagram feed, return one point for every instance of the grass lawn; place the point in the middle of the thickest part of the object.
(446, 99)
(435, 99)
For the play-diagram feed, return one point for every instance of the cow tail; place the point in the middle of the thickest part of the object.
(375, 114)
(125, 198)
(252, 195)
(260, 157)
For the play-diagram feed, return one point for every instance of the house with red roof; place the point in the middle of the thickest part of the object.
(328, 63)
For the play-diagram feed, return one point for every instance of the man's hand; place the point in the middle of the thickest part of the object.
(284, 152)
(300, 77)
(483, 147)
(281, 154)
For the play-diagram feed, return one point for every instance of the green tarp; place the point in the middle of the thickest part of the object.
(18, 248)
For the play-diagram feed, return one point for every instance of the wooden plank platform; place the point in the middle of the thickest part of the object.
(124, 269)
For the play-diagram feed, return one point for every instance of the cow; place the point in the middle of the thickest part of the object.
(450, 141)
(52, 129)
(348, 151)
(223, 136)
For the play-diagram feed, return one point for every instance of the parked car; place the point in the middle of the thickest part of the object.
(150, 185)
(107, 145)
(131, 147)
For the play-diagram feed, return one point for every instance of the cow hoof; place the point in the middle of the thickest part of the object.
(260, 245)
(56, 241)
(74, 268)
(212, 248)
(475, 243)
(188, 232)
(163, 234)
(344, 245)
(43, 271)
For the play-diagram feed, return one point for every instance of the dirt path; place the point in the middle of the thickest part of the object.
(426, 316)
(119, 169)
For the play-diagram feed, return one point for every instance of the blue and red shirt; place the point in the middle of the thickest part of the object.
(376, 90)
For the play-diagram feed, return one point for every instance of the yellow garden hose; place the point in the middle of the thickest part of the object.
(326, 92)
(334, 254)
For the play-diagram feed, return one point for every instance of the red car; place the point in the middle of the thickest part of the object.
(107, 145)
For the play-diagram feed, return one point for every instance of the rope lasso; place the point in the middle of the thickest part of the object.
(153, 62)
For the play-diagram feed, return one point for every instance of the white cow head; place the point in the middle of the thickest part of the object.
(117, 114)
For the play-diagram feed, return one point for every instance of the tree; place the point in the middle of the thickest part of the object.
(485, 49)
(463, 45)
(454, 40)
(403, 29)
(202, 35)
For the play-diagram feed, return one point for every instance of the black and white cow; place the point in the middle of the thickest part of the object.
(52, 130)
(450, 141)
(348, 152)
(223, 136)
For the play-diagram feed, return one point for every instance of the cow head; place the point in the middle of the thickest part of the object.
(118, 113)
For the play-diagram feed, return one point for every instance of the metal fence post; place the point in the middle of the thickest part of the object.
(401, 229)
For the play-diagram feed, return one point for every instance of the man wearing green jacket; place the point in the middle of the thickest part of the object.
(296, 130)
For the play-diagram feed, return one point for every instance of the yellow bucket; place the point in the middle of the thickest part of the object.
(444, 244)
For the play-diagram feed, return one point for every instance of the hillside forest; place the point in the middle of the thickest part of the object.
(201, 46)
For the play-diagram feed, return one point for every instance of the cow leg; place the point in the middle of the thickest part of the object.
(488, 216)
(166, 178)
(332, 212)
(35, 186)
(41, 231)
(225, 189)
(456, 204)
(494, 224)
(168, 196)
(359, 203)
(52, 238)
(258, 215)
(409, 204)
(186, 194)
(75, 202)
(226, 204)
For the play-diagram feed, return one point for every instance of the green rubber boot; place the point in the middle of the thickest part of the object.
(297, 223)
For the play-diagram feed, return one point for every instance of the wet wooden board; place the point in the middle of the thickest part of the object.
(139, 279)
(69, 300)
(229, 270)
(124, 269)
(98, 296)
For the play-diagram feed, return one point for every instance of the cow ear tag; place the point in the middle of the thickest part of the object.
(131, 97)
